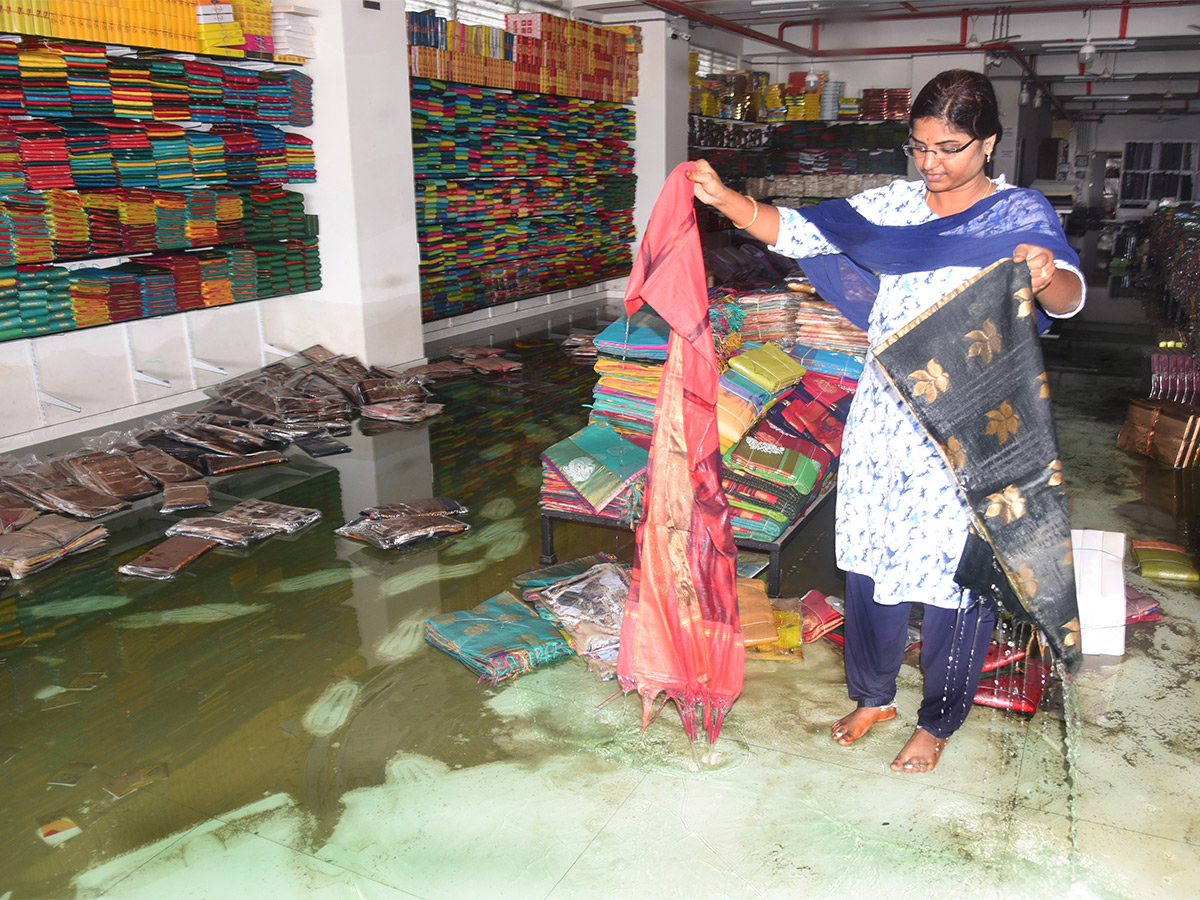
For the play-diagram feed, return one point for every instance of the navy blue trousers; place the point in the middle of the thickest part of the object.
(954, 643)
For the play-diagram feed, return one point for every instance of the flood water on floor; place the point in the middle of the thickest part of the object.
(289, 733)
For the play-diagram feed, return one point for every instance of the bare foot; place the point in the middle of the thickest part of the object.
(920, 754)
(849, 729)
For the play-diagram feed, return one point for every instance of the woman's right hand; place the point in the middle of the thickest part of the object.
(707, 183)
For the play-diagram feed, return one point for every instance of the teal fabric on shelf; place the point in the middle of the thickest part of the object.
(643, 335)
(597, 462)
(499, 639)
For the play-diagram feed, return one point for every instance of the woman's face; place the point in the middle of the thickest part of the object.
(948, 172)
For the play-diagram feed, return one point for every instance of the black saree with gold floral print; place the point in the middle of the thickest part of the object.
(970, 369)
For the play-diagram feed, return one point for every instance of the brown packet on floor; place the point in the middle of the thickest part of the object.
(223, 531)
(162, 467)
(167, 559)
(430, 506)
(222, 465)
(391, 534)
(184, 496)
(111, 473)
(272, 515)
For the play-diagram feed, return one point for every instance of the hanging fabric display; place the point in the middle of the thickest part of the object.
(680, 634)
(970, 369)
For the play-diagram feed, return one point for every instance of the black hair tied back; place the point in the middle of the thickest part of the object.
(964, 99)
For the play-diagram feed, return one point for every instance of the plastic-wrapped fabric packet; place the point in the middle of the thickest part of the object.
(489, 365)
(188, 454)
(162, 467)
(274, 515)
(402, 387)
(214, 464)
(431, 506)
(166, 559)
(52, 490)
(223, 531)
(474, 351)
(400, 411)
(439, 370)
(45, 541)
(14, 518)
(185, 495)
(391, 534)
(111, 473)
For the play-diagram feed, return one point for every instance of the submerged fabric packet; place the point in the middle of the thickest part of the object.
(223, 531)
(280, 517)
(1163, 561)
(162, 467)
(431, 506)
(400, 531)
(185, 495)
(112, 473)
(547, 575)
(970, 370)
(167, 559)
(755, 615)
(499, 639)
(818, 617)
(224, 465)
(589, 607)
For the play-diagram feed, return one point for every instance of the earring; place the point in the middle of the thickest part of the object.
(987, 157)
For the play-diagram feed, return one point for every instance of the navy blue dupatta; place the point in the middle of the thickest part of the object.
(988, 231)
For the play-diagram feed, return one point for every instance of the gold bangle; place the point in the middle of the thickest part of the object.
(753, 218)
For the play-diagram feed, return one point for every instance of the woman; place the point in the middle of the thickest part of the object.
(901, 521)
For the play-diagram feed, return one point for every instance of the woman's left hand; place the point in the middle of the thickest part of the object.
(1040, 262)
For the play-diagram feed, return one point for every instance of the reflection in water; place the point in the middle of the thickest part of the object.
(332, 709)
(189, 615)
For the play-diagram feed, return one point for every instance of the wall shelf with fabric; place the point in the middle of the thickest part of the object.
(519, 192)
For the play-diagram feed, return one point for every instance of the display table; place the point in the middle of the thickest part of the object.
(773, 549)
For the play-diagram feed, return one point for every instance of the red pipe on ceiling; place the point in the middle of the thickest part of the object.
(683, 10)
(951, 13)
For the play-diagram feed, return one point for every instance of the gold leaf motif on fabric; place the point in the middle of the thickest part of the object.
(473, 630)
(508, 617)
(1071, 633)
(1029, 584)
(930, 381)
(1055, 478)
(1008, 505)
(1044, 390)
(1003, 422)
(955, 452)
(1024, 298)
(985, 342)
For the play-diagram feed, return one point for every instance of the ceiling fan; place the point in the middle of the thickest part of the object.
(1107, 74)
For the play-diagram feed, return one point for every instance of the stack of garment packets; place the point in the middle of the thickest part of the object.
(585, 598)
(631, 354)
(499, 639)
(595, 471)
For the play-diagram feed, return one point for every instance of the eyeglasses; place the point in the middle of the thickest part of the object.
(912, 151)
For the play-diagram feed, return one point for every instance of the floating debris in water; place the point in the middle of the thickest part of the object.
(192, 615)
(332, 709)
(77, 606)
(500, 508)
(402, 641)
(318, 579)
(50, 690)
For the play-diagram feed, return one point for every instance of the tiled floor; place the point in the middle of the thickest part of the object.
(317, 747)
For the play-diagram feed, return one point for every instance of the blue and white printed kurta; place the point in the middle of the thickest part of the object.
(901, 519)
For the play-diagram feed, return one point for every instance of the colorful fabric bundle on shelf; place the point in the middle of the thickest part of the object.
(593, 470)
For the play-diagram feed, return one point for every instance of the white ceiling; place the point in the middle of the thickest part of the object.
(1147, 62)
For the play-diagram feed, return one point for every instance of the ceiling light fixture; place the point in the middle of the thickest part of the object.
(1023, 97)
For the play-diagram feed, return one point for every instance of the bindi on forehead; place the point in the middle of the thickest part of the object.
(936, 131)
